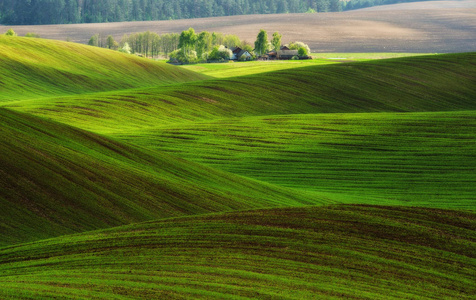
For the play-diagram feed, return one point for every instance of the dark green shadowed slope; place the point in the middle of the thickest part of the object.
(334, 252)
(57, 180)
(36, 68)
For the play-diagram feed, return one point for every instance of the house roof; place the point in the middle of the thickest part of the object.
(284, 48)
(241, 53)
(236, 50)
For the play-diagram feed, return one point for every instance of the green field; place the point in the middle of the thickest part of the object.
(381, 158)
(42, 68)
(125, 178)
(234, 69)
(331, 252)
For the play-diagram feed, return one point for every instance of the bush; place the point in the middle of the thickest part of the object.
(220, 53)
(297, 45)
(243, 58)
(302, 52)
(295, 57)
(180, 56)
(33, 35)
(10, 32)
(126, 48)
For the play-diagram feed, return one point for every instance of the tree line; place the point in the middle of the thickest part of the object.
(37, 12)
(148, 44)
(192, 47)
(357, 4)
(151, 44)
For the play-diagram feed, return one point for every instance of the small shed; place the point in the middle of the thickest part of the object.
(273, 55)
(287, 54)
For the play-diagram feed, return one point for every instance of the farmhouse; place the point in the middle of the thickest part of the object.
(238, 53)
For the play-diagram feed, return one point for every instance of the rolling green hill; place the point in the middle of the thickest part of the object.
(299, 128)
(333, 252)
(227, 172)
(31, 67)
(382, 158)
(58, 180)
(414, 84)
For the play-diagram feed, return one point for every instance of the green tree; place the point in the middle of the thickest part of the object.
(231, 41)
(276, 41)
(220, 53)
(10, 32)
(204, 43)
(261, 43)
(187, 41)
(111, 43)
(181, 56)
(217, 38)
(94, 40)
(297, 45)
(302, 52)
(126, 48)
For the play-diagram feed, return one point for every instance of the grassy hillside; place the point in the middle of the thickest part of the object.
(149, 146)
(406, 158)
(55, 180)
(414, 84)
(334, 252)
(233, 69)
(35, 67)
(225, 70)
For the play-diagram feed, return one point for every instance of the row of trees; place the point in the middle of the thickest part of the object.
(150, 44)
(37, 12)
(189, 46)
(262, 45)
(23, 12)
(206, 46)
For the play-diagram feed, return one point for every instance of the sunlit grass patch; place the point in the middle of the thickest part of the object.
(411, 159)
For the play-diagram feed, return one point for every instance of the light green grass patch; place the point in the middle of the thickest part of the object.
(234, 69)
(342, 57)
(387, 158)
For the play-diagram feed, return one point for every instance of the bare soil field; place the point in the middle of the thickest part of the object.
(422, 27)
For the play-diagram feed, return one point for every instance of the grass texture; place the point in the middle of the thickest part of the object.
(38, 68)
(57, 180)
(228, 173)
(234, 69)
(382, 158)
(414, 84)
(333, 252)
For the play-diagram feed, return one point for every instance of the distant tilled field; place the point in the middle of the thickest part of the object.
(440, 26)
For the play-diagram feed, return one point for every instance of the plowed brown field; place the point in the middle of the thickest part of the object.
(437, 26)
